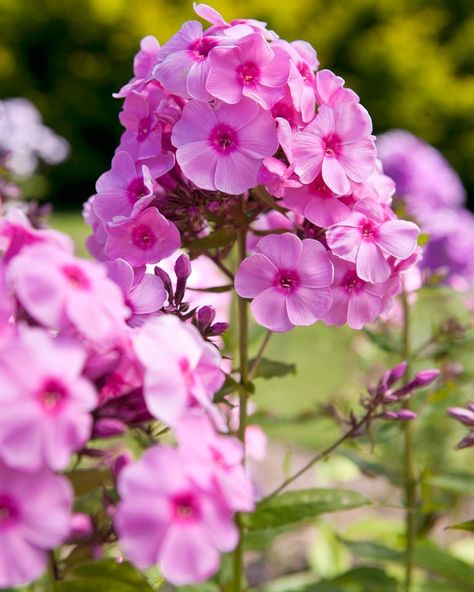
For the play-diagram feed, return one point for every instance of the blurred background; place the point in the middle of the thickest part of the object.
(411, 62)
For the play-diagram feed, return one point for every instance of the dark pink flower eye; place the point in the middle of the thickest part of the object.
(76, 277)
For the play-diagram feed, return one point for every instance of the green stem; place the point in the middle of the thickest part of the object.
(259, 356)
(243, 395)
(409, 459)
(355, 429)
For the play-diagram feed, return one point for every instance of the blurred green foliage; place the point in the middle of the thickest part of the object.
(411, 61)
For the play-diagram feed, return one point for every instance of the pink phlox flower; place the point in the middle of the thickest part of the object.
(183, 66)
(276, 176)
(59, 290)
(125, 190)
(377, 186)
(181, 369)
(337, 143)
(237, 28)
(144, 294)
(330, 89)
(302, 78)
(221, 147)
(288, 280)
(255, 438)
(146, 238)
(143, 64)
(285, 110)
(35, 517)
(46, 410)
(143, 135)
(317, 203)
(165, 518)
(354, 301)
(16, 232)
(215, 459)
(367, 238)
(252, 68)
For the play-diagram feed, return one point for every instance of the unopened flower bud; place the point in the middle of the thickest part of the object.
(465, 416)
(218, 329)
(121, 462)
(467, 441)
(182, 267)
(205, 317)
(165, 278)
(425, 377)
(108, 428)
(81, 528)
(406, 415)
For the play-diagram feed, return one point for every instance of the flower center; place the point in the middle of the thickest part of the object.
(143, 237)
(352, 282)
(137, 189)
(52, 395)
(76, 277)
(368, 230)
(286, 281)
(8, 511)
(202, 47)
(223, 138)
(332, 146)
(248, 73)
(185, 507)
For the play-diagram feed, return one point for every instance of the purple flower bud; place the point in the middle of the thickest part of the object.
(467, 441)
(425, 377)
(396, 373)
(182, 267)
(406, 415)
(165, 278)
(108, 428)
(81, 528)
(205, 317)
(465, 416)
(121, 462)
(218, 329)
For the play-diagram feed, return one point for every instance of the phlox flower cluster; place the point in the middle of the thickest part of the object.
(434, 196)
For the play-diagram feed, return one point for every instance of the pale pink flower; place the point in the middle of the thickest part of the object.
(166, 519)
(301, 82)
(34, 518)
(184, 62)
(221, 147)
(144, 293)
(354, 301)
(237, 28)
(317, 203)
(143, 64)
(271, 221)
(338, 144)
(181, 369)
(146, 238)
(367, 238)
(252, 68)
(215, 460)
(377, 186)
(330, 89)
(59, 290)
(288, 280)
(46, 410)
(276, 176)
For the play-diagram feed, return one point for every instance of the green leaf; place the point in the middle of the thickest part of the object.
(212, 289)
(458, 482)
(469, 526)
(367, 579)
(373, 551)
(293, 507)
(222, 237)
(106, 575)
(87, 480)
(382, 341)
(272, 369)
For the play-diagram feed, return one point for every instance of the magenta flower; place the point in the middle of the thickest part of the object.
(181, 369)
(222, 147)
(288, 280)
(330, 89)
(317, 203)
(184, 62)
(367, 238)
(143, 65)
(276, 176)
(165, 518)
(34, 518)
(59, 290)
(251, 68)
(144, 294)
(338, 144)
(146, 238)
(354, 301)
(45, 411)
(214, 460)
